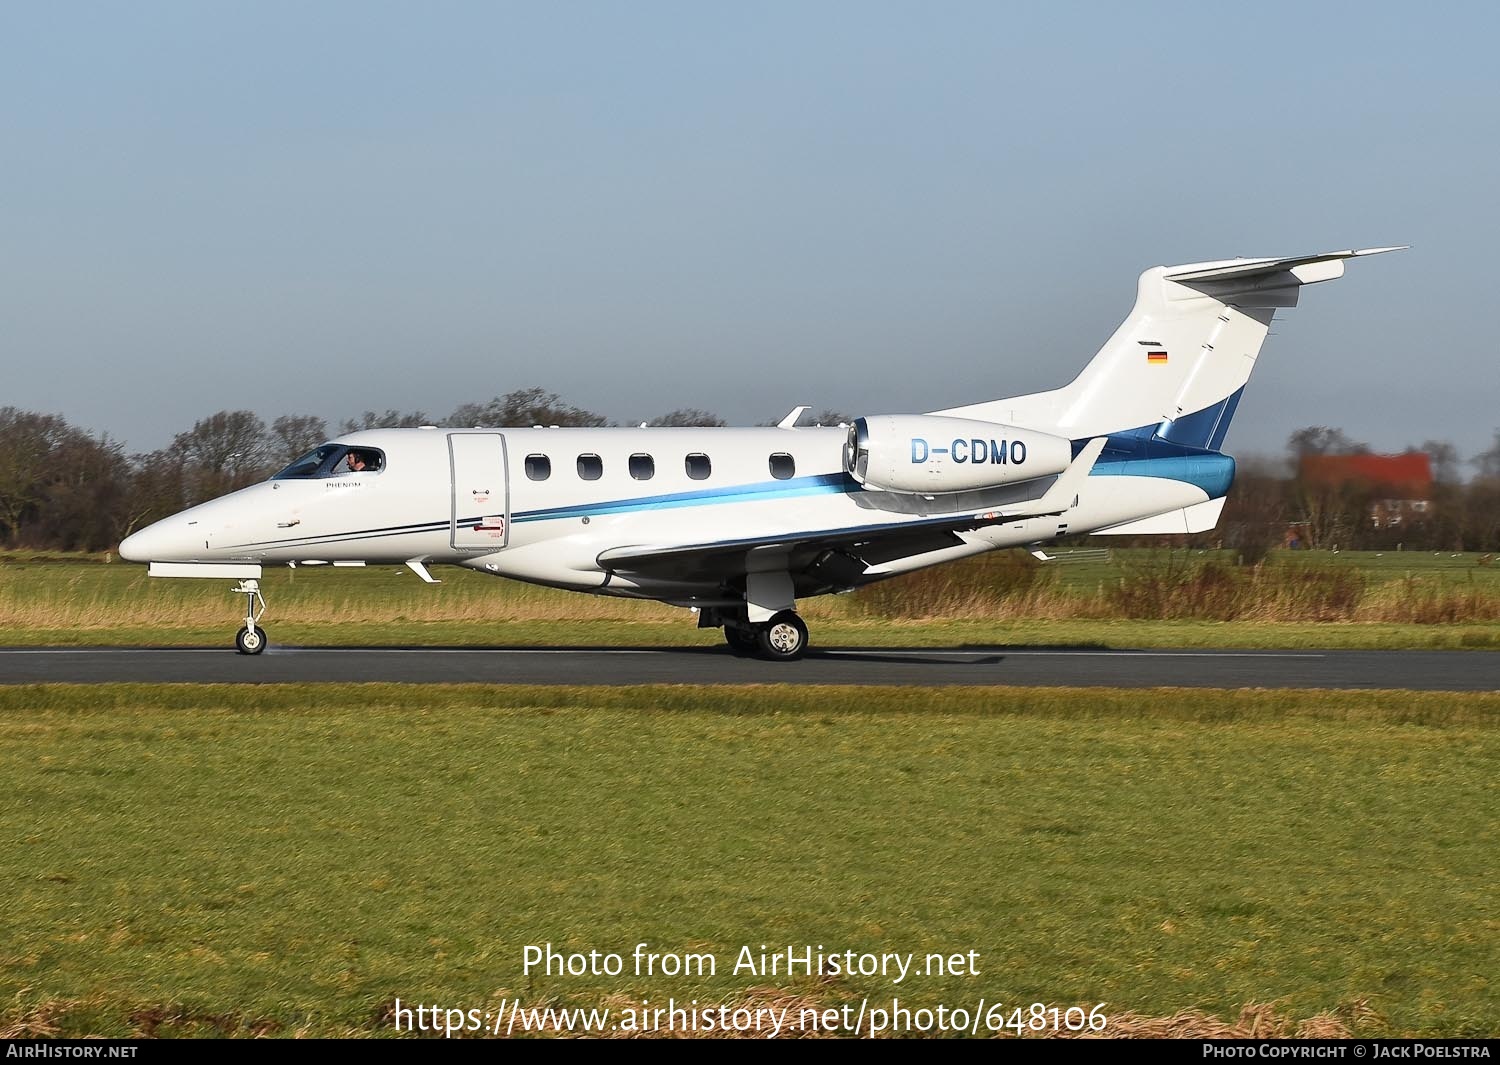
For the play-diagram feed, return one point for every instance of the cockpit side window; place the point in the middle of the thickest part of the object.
(312, 464)
(332, 459)
(361, 460)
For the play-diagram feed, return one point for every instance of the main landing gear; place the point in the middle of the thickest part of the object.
(781, 639)
(251, 640)
(767, 625)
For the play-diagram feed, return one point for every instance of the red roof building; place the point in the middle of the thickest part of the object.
(1401, 485)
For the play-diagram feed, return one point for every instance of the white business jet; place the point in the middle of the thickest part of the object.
(738, 524)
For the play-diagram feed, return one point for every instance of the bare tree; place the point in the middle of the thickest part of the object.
(1321, 440)
(523, 407)
(157, 489)
(826, 416)
(29, 443)
(84, 499)
(1444, 459)
(1336, 514)
(1487, 463)
(60, 486)
(391, 419)
(224, 451)
(687, 416)
(293, 435)
(1481, 515)
(1255, 514)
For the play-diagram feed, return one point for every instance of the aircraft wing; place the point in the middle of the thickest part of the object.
(935, 530)
(869, 544)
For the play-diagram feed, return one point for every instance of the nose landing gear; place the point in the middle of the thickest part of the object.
(251, 640)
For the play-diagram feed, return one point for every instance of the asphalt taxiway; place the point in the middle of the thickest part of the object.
(1048, 667)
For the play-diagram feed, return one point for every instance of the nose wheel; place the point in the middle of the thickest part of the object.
(251, 639)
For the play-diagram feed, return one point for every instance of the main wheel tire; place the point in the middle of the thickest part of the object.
(250, 641)
(741, 641)
(783, 638)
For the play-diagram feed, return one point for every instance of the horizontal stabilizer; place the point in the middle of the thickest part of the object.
(1305, 269)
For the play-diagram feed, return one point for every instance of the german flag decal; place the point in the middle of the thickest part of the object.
(1156, 357)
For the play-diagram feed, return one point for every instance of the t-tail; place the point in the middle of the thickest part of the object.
(1164, 388)
(1168, 381)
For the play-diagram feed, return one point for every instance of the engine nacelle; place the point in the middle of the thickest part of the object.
(928, 454)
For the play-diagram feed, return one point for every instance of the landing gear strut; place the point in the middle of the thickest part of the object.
(251, 640)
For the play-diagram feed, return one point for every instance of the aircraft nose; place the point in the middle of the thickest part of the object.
(137, 546)
(165, 541)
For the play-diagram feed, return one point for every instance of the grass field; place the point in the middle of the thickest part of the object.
(281, 860)
(1134, 599)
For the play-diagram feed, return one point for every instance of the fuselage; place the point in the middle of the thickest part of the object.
(542, 505)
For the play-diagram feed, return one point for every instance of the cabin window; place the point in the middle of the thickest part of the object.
(642, 467)
(538, 467)
(783, 466)
(590, 467)
(329, 460)
(698, 466)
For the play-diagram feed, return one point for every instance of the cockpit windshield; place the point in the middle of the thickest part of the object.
(332, 459)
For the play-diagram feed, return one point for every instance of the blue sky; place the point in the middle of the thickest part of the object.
(328, 207)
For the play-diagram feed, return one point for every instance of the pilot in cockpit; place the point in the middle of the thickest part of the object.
(356, 461)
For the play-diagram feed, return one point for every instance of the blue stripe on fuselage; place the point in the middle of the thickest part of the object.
(822, 484)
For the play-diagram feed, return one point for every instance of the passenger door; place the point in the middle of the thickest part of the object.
(481, 491)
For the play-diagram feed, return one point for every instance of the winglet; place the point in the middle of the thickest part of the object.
(1063, 495)
(790, 421)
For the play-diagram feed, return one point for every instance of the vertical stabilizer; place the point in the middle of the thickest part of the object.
(1175, 369)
